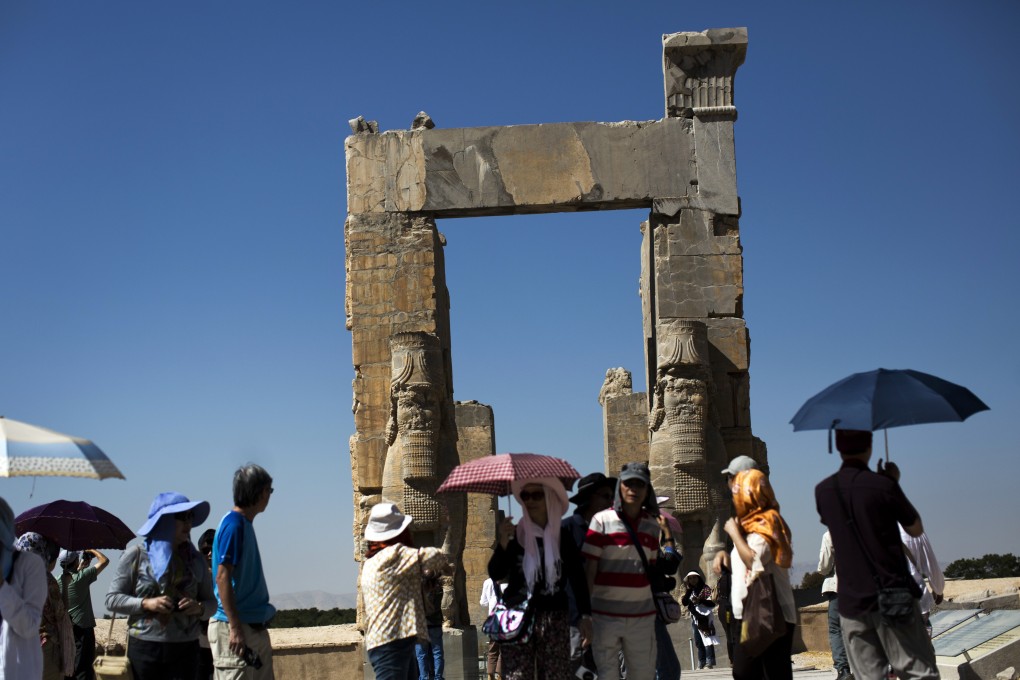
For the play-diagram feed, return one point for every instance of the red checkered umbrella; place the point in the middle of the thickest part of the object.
(493, 474)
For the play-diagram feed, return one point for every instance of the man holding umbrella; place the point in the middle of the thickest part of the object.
(75, 584)
(863, 511)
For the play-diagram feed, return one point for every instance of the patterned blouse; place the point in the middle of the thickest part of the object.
(391, 588)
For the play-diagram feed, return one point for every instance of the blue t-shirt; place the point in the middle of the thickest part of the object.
(235, 544)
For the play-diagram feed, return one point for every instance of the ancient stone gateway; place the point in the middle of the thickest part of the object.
(694, 415)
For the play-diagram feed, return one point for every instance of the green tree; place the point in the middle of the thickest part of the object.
(812, 579)
(988, 566)
(305, 618)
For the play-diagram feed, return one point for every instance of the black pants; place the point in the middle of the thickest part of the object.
(774, 663)
(84, 653)
(163, 660)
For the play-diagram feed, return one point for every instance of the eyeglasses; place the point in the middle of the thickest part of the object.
(187, 516)
(636, 483)
(532, 495)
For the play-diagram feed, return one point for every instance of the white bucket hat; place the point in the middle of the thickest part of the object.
(385, 521)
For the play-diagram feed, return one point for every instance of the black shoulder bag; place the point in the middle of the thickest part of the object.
(666, 606)
(895, 604)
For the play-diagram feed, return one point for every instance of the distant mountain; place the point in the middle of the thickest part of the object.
(318, 599)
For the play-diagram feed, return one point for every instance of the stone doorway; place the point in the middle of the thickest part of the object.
(693, 415)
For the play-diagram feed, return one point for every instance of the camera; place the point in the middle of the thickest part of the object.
(586, 674)
(251, 658)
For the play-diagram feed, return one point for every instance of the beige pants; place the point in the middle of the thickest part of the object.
(228, 665)
(634, 636)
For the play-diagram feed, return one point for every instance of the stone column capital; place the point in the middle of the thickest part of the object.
(698, 69)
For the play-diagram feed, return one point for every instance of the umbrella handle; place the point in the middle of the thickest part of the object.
(886, 433)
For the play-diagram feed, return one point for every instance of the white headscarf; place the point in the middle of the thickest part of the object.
(528, 533)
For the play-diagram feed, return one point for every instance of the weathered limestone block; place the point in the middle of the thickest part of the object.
(476, 439)
(717, 165)
(624, 421)
(699, 286)
(698, 232)
(518, 169)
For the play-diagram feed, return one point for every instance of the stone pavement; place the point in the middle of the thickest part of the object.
(799, 673)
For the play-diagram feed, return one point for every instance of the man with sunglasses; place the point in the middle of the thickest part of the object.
(623, 611)
(238, 634)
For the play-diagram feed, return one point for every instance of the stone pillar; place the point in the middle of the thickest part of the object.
(397, 309)
(477, 438)
(624, 421)
(692, 289)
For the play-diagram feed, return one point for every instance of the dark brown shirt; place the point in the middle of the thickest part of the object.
(878, 506)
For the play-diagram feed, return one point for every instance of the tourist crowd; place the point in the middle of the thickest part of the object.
(581, 595)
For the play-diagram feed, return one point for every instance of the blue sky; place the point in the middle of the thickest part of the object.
(172, 196)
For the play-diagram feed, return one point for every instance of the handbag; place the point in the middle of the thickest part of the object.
(109, 667)
(666, 606)
(763, 621)
(509, 624)
(896, 604)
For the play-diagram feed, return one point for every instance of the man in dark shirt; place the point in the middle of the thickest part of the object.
(872, 553)
(594, 494)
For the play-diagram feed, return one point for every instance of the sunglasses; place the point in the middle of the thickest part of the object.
(532, 495)
(188, 516)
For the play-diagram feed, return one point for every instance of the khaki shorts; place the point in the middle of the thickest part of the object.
(228, 665)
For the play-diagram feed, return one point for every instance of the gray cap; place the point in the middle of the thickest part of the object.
(739, 464)
(635, 471)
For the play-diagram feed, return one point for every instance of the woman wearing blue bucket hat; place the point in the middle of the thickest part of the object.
(165, 588)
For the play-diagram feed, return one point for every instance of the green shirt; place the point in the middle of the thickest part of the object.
(79, 599)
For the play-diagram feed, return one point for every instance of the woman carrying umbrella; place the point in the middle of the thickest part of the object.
(538, 557)
(55, 635)
(165, 588)
(761, 548)
(23, 595)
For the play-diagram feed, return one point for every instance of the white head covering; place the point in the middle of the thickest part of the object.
(528, 532)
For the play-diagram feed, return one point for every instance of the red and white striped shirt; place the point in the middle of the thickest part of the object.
(621, 585)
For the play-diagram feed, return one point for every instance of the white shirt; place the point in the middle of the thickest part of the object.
(762, 564)
(21, 605)
(827, 564)
(924, 565)
(489, 594)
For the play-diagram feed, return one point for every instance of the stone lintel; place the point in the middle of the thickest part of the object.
(556, 167)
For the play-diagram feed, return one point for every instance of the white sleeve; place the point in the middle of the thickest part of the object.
(928, 564)
(762, 552)
(22, 600)
(826, 561)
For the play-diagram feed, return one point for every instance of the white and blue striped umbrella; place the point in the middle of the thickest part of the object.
(27, 450)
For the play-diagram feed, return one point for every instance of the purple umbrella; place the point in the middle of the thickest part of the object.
(75, 525)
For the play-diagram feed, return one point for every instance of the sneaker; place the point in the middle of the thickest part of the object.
(710, 666)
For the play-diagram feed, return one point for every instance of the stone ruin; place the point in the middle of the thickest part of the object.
(694, 414)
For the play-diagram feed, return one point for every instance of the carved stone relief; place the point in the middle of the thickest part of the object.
(417, 391)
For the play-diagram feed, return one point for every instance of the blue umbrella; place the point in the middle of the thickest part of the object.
(886, 398)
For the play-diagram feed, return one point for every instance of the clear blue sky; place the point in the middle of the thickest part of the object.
(172, 196)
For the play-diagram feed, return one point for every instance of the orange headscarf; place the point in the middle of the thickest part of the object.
(758, 512)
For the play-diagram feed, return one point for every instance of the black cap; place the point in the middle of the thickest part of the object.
(589, 484)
